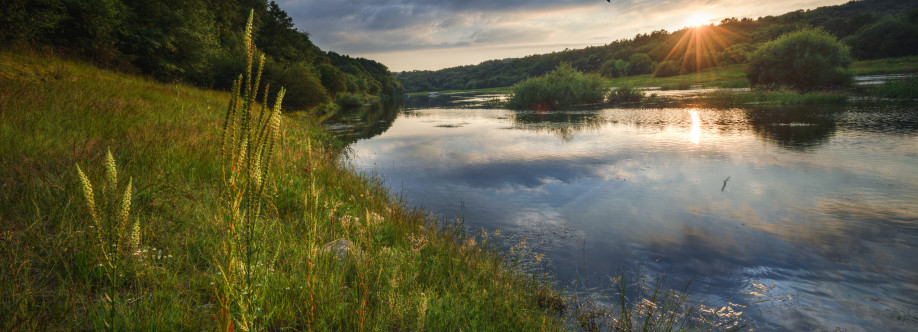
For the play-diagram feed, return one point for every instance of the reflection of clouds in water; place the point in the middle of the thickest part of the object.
(831, 222)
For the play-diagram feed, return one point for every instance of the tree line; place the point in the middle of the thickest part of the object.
(195, 41)
(871, 29)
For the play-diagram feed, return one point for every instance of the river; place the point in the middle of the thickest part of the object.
(802, 219)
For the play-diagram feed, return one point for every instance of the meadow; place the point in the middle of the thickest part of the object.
(158, 262)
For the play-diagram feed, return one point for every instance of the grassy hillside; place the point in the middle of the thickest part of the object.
(413, 272)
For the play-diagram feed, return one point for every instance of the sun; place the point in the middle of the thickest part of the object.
(697, 20)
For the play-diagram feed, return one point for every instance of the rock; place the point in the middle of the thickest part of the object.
(342, 248)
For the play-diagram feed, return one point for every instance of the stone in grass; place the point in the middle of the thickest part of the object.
(342, 248)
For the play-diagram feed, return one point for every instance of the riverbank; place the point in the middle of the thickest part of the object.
(408, 270)
(728, 86)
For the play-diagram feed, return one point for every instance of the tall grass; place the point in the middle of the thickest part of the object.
(110, 239)
(247, 149)
(415, 271)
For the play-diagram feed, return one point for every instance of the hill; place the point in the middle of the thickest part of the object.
(872, 28)
(195, 41)
(65, 267)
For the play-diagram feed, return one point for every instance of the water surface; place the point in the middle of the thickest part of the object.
(812, 211)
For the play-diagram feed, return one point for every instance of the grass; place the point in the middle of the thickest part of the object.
(415, 272)
(899, 89)
(908, 64)
(505, 89)
(778, 97)
(734, 76)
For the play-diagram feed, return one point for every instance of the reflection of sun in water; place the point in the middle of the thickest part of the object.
(695, 133)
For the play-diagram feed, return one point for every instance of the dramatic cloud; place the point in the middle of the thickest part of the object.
(432, 34)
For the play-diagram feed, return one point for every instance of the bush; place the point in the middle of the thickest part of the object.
(564, 86)
(350, 100)
(804, 60)
(625, 94)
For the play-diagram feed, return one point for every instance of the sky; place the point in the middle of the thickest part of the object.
(433, 34)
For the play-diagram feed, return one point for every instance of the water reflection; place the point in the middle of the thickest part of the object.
(818, 210)
(696, 126)
(794, 128)
(355, 123)
(456, 101)
(563, 124)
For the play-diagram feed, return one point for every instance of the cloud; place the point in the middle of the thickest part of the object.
(382, 29)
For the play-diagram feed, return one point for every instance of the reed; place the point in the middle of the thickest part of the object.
(111, 242)
(249, 134)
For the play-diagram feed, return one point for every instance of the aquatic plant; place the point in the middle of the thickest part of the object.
(641, 303)
(900, 89)
(625, 94)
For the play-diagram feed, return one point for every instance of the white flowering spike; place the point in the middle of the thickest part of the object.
(111, 171)
(87, 194)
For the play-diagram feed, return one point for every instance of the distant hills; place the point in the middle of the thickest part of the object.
(872, 28)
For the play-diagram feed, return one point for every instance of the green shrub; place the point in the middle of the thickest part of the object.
(350, 100)
(804, 60)
(625, 94)
(564, 86)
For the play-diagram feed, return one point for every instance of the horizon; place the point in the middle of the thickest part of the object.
(435, 34)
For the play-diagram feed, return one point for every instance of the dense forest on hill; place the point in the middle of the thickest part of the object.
(872, 29)
(196, 41)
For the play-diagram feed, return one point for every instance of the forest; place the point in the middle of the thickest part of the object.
(193, 41)
(871, 28)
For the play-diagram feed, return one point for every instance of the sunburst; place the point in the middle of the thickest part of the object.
(700, 45)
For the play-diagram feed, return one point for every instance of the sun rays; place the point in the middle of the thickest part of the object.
(700, 45)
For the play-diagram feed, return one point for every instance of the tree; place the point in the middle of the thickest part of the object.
(804, 59)
(608, 69)
(639, 64)
(332, 78)
(887, 38)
